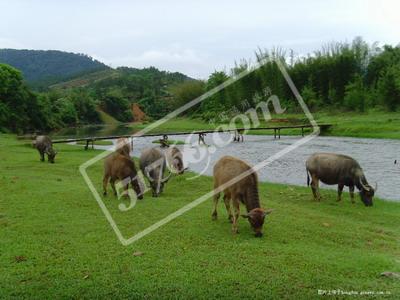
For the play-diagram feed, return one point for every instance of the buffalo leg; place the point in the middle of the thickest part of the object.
(315, 188)
(340, 190)
(112, 183)
(351, 189)
(41, 156)
(236, 214)
(228, 208)
(214, 215)
(105, 182)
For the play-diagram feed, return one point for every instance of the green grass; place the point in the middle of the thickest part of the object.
(98, 142)
(170, 142)
(374, 124)
(56, 243)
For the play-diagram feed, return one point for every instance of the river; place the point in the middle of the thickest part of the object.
(376, 156)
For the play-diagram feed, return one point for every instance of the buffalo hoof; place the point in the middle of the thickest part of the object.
(258, 234)
(214, 216)
(230, 219)
(104, 193)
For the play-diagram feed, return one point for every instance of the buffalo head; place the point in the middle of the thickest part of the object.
(367, 192)
(178, 165)
(256, 219)
(51, 154)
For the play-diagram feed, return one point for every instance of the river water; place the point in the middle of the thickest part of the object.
(376, 157)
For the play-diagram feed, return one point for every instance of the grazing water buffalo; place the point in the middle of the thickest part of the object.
(175, 160)
(44, 145)
(123, 147)
(120, 167)
(152, 163)
(341, 170)
(245, 191)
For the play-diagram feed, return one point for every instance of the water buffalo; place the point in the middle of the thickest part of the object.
(245, 190)
(152, 163)
(338, 169)
(238, 135)
(175, 160)
(123, 147)
(119, 167)
(44, 145)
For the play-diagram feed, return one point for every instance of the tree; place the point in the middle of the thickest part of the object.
(389, 87)
(355, 95)
(185, 92)
(218, 101)
(310, 97)
(19, 107)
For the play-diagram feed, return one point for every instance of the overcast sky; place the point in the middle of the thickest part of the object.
(194, 38)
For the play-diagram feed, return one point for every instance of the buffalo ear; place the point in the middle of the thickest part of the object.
(245, 216)
(268, 211)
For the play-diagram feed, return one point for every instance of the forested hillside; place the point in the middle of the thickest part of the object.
(342, 77)
(80, 101)
(41, 68)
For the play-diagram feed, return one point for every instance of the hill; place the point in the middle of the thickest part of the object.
(116, 90)
(41, 68)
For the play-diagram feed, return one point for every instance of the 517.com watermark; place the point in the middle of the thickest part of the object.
(339, 292)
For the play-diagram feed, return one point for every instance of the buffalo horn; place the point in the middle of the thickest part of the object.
(367, 188)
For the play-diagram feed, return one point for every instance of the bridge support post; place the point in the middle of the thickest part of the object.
(87, 145)
(302, 131)
(279, 133)
(274, 133)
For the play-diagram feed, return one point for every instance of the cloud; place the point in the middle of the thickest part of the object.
(174, 58)
(193, 37)
(10, 43)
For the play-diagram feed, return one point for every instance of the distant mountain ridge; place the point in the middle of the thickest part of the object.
(42, 68)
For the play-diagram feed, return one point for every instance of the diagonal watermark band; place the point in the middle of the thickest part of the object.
(208, 195)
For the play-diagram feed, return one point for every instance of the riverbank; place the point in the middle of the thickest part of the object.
(373, 124)
(56, 241)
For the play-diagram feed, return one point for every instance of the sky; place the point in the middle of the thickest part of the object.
(192, 37)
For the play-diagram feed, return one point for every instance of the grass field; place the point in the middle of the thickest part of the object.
(98, 142)
(56, 243)
(373, 124)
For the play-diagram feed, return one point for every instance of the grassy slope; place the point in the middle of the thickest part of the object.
(49, 217)
(367, 125)
(84, 80)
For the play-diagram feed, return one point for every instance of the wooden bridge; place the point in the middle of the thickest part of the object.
(200, 133)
